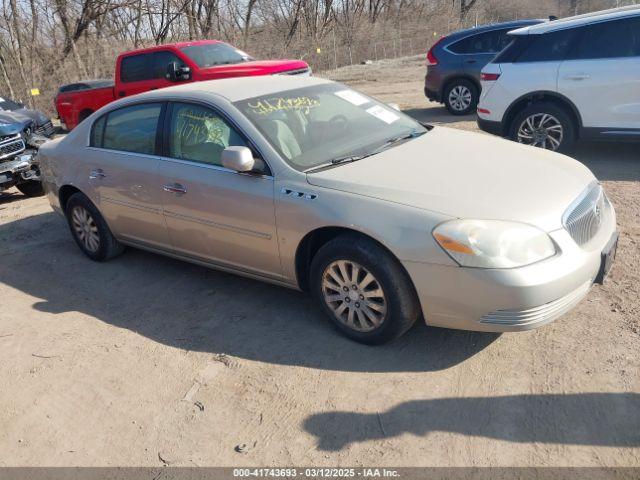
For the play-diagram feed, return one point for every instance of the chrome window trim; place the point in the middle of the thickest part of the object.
(210, 166)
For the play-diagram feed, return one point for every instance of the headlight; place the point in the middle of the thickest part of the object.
(493, 243)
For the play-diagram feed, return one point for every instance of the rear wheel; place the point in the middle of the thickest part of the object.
(543, 125)
(31, 188)
(363, 289)
(461, 97)
(89, 229)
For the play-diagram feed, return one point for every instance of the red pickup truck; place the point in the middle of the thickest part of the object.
(138, 71)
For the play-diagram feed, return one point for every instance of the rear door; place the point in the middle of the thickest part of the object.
(601, 76)
(145, 71)
(122, 171)
(479, 49)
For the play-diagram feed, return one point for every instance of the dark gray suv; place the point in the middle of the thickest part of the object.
(454, 63)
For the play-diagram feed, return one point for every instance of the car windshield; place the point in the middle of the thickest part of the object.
(212, 54)
(325, 125)
(6, 104)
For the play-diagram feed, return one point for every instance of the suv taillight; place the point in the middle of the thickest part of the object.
(431, 58)
(489, 77)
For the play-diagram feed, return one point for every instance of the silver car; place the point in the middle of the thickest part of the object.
(309, 184)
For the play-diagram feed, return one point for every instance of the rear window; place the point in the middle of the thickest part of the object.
(128, 129)
(487, 42)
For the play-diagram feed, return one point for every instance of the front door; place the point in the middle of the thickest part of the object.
(145, 71)
(212, 213)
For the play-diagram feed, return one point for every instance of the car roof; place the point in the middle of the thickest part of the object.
(493, 26)
(166, 46)
(579, 20)
(238, 88)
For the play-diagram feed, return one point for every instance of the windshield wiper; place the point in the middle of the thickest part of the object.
(355, 158)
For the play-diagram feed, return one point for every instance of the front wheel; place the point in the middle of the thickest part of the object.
(543, 125)
(363, 289)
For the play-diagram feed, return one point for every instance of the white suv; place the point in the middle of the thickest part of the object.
(559, 81)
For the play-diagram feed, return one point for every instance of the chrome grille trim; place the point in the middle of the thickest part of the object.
(540, 314)
(11, 147)
(584, 216)
(45, 129)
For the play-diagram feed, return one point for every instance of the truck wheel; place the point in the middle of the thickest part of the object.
(83, 115)
(461, 97)
(89, 229)
(363, 289)
(31, 188)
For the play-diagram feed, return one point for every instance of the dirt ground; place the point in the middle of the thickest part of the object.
(148, 361)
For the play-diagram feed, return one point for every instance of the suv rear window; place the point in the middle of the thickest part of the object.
(487, 42)
(548, 47)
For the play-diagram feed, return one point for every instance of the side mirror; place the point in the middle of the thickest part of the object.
(239, 159)
(176, 73)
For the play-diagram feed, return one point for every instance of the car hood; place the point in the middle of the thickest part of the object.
(38, 117)
(467, 175)
(12, 122)
(255, 67)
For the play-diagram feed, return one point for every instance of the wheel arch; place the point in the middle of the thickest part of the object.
(541, 96)
(459, 76)
(64, 194)
(315, 239)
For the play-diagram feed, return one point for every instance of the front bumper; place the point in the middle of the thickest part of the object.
(507, 300)
(21, 168)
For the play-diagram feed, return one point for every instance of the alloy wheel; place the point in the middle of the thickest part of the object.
(460, 98)
(354, 295)
(85, 228)
(541, 130)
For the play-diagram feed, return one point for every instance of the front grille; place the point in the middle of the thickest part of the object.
(45, 129)
(11, 147)
(541, 314)
(583, 217)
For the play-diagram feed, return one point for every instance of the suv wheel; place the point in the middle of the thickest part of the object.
(89, 229)
(461, 97)
(363, 289)
(543, 125)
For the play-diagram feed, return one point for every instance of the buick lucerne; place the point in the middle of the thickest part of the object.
(309, 184)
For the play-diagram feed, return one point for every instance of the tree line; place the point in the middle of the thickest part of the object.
(46, 43)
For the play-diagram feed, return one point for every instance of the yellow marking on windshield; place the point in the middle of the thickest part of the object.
(280, 104)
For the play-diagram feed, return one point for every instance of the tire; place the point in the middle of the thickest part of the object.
(103, 245)
(463, 90)
(396, 310)
(31, 188)
(84, 115)
(558, 116)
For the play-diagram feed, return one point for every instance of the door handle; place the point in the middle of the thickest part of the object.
(470, 61)
(121, 94)
(175, 188)
(578, 76)
(97, 173)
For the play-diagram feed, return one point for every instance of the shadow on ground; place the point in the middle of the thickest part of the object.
(437, 115)
(194, 308)
(602, 419)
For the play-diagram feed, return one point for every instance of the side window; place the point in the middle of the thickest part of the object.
(136, 68)
(503, 40)
(486, 42)
(132, 129)
(548, 47)
(615, 39)
(97, 132)
(199, 134)
(161, 60)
